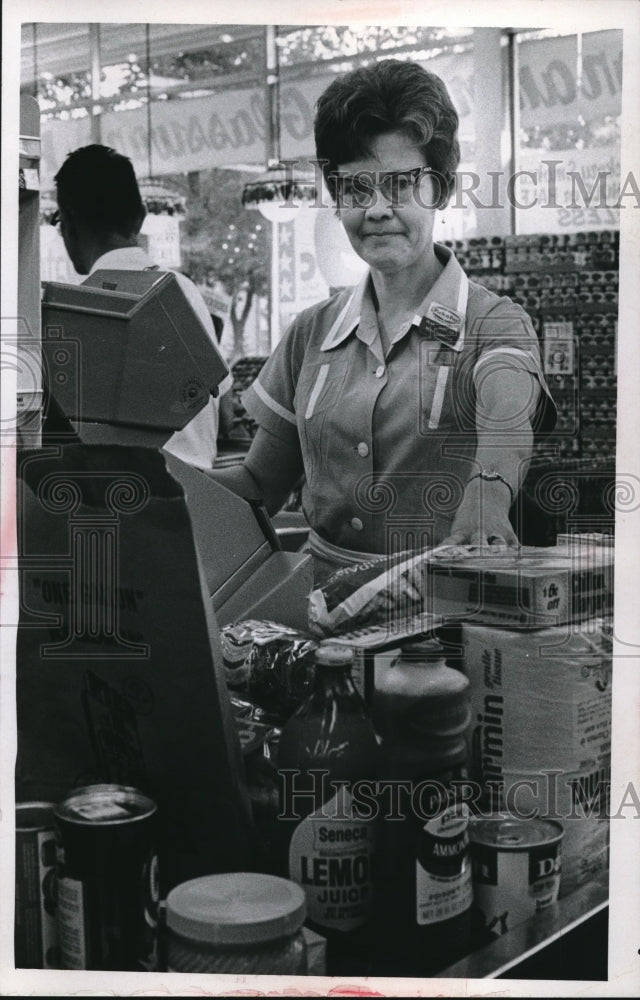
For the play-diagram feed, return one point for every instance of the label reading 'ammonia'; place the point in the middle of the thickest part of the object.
(443, 872)
(330, 857)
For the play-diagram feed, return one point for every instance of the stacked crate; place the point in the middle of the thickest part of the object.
(568, 284)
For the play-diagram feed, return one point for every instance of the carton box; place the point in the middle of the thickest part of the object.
(531, 587)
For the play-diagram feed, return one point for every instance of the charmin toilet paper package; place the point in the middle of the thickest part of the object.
(540, 738)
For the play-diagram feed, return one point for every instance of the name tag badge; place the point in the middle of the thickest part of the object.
(443, 324)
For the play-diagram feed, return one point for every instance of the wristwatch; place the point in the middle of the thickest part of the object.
(492, 477)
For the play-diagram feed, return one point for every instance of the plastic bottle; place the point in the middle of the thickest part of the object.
(423, 885)
(327, 763)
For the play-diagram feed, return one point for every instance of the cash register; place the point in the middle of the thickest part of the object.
(128, 362)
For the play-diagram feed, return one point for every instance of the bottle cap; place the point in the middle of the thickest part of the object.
(237, 908)
(423, 649)
(422, 700)
(333, 654)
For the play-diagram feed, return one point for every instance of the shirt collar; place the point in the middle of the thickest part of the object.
(123, 258)
(445, 305)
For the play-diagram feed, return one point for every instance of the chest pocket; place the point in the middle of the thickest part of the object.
(319, 388)
(437, 365)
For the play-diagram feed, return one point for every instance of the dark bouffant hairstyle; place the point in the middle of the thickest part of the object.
(388, 96)
(100, 186)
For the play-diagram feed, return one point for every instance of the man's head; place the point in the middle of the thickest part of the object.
(99, 202)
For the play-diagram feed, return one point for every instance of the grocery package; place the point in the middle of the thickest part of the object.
(237, 922)
(376, 592)
(107, 879)
(259, 740)
(516, 869)
(490, 584)
(423, 890)
(270, 664)
(541, 735)
(328, 748)
(36, 931)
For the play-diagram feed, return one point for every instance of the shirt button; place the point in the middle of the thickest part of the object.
(363, 449)
(356, 524)
(379, 371)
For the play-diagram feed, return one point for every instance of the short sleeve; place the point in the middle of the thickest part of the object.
(504, 337)
(269, 400)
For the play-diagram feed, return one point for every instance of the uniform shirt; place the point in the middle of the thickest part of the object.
(388, 442)
(196, 443)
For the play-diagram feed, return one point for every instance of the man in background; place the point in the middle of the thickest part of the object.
(100, 214)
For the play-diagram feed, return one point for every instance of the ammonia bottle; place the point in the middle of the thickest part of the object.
(423, 887)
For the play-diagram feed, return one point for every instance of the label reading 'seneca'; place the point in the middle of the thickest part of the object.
(331, 859)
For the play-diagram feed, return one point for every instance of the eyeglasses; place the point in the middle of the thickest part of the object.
(357, 190)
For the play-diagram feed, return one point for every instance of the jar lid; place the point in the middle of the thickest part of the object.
(236, 908)
(334, 654)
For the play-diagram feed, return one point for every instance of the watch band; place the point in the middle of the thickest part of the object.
(492, 477)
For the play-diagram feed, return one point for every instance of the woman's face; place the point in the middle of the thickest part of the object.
(391, 235)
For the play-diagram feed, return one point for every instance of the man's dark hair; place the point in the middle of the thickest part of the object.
(100, 187)
(388, 96)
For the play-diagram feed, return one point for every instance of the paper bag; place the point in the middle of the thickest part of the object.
(119, 667)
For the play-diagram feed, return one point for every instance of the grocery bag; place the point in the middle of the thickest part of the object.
(119, 672)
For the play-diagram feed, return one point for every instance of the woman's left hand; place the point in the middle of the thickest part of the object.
(483, 517)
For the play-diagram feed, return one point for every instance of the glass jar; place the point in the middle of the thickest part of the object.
(241, 922)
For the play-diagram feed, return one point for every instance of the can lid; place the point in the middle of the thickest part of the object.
(334, 654)
(34, 815)
(513, 834)
(105, 804)
(236, 908)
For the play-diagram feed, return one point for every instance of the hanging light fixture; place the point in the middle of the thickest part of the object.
(280, 192)
(160, 199)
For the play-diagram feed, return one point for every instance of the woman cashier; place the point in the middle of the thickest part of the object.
(409, 403)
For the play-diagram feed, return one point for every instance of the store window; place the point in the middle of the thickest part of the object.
(569, 91)
(187, 104)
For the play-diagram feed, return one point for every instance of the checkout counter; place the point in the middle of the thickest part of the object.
(127, 365)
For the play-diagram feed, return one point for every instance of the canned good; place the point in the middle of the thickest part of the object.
(36, 933)
(107, 879)
(516, 868)
(241, 922)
